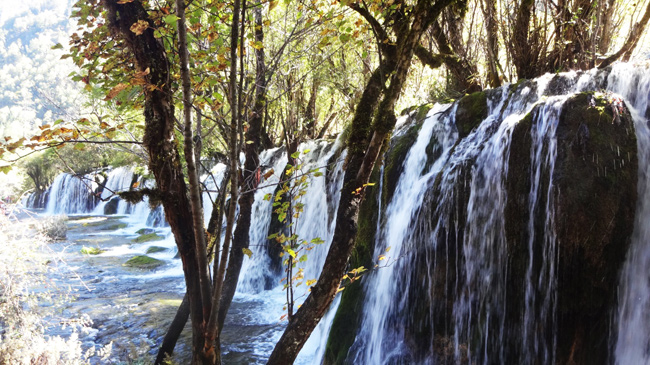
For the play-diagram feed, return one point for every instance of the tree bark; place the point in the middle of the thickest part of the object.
(193, 176)
(211, 348)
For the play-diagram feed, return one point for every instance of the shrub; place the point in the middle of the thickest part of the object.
(54, 227)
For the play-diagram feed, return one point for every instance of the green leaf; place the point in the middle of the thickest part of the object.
(57, 46)
(170, 19)
(302, 258)
(295, 155)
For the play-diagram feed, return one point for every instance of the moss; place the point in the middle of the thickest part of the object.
(345, 324)
(142, 231)
(471, 111)
(91, 250)
(143, 262)
(422, 112)
(155, 249)
(148, 238)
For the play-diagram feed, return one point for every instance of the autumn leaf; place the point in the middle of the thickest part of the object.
(114, 91)
(139, 27)
(268, 174)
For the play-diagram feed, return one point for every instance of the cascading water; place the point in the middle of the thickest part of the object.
(119, 179)
(632, 345)
(376, 343)
(457, 261)
(71, 194)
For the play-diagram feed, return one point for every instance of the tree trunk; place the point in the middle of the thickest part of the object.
(212, 344)
(492, 46)
(159, 141)
(359, 163)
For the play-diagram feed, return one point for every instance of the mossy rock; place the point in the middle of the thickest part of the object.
(156, 249)
(143, 262)
(91, 250)
(594, 179)
(471, 111)
(395, 156)
(115, 227)
(143, 231)
(348, 315)
(147, 238)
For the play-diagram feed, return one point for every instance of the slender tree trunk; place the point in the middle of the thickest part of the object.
(193, 176)
(250, 175)
(174, 331)
(211, 348)
(492, 46)
(523, 56)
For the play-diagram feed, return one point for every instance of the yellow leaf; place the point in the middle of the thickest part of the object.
(272, 4)
(382, 257)
(247, 252)
(135, 184)
(340, 289)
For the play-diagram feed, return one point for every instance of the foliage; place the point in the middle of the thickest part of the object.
(23, 285)
(54, 227)
(288, 206)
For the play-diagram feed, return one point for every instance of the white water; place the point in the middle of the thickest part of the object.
(632, 345)
(373, 345)
(70, 195)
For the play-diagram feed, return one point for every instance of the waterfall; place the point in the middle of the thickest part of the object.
(452, 255)
(117, 180)
(70, 194)
(632, 345)
(373, 345)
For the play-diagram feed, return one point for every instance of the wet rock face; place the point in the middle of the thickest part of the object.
(111, 206)
(594, 180)
(596, 177)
